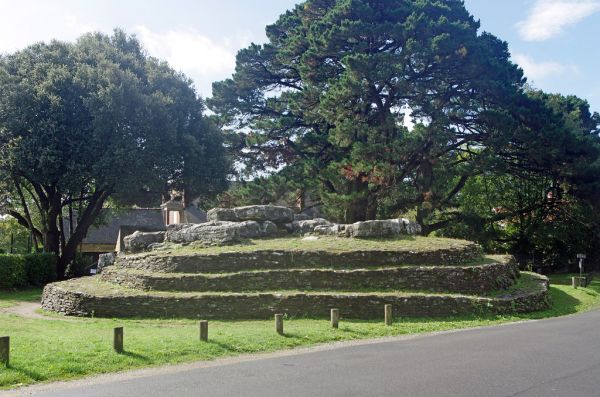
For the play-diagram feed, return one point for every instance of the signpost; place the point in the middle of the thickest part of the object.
(581, 257)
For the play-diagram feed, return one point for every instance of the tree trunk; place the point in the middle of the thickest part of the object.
(358, 208)
(87, 218)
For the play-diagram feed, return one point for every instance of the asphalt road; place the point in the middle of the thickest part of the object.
(556, 357)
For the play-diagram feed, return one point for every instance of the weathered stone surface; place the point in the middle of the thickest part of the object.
(268, 229)
(139, 241)
(306, 226)
(302, 217)
(497, 275)
(367, 229)
(298, 259)
(331, 230)
(219, 232)
(105, 260)
(411, 228)
(273, 213)
(67, 298)
(209, 233)
(378, 228)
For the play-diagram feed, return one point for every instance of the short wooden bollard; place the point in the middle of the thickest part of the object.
(204, 331)
(5, 350)
(388, 314)
(335, 318)
(279, 323)
(118, 340)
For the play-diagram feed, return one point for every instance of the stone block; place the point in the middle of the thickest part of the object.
(139, 241)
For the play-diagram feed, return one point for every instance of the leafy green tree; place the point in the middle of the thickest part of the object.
(80, 122)
(14, 238)
(541, 204)
(331, 88)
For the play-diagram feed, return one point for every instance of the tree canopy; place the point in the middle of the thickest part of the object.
(331, 90)
(80, 122)
(333, 84)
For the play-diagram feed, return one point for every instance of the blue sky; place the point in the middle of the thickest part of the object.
(554, 41)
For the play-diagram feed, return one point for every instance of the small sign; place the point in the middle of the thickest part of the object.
(92, 271)
(581, 256)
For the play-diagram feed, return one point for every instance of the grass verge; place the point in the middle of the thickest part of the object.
(325, 243)
(66, 348)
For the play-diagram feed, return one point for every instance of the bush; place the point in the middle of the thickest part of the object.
(18, 271)
(40, 269)
(12, 272)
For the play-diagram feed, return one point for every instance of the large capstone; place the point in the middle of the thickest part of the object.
(219, 232)
(209, 233)
(366, 229)
(139, 241)
(382, 228)
(259, 213)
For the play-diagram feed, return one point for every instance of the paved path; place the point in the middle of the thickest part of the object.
(556, 357)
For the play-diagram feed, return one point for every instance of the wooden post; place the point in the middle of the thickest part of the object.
(335, 318)
(388, 314)
(118, 340)
(5, 350)
(204, 331)
(279, 323)
(574, 282)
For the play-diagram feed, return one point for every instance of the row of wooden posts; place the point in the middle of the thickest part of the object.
(118, 332)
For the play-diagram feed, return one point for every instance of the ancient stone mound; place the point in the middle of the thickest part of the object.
(232, 225)
(304, 277)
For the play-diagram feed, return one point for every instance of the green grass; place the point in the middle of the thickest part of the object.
(332, 244)
(8, 299)
(65, 348)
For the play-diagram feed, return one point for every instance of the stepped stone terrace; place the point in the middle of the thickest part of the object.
(251, 266)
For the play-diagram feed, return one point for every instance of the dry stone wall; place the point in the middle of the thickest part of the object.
(456, 279)
(263, 306)
(287, 259)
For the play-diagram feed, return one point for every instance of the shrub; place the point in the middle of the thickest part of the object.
(40, 269)
(12, 272)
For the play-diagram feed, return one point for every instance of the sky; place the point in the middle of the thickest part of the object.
(554, 41)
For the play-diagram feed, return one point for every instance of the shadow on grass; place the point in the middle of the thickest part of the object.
(36, 376)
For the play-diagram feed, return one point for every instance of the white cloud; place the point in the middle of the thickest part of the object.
(548, 18)
(196, 55)
(536, 71)
(16, 34)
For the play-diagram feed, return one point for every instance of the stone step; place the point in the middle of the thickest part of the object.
(243, 258)
(92, 297)
(492, 273)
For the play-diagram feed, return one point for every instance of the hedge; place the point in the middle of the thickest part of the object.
(40, 269)
(18, 271)
(12, 271)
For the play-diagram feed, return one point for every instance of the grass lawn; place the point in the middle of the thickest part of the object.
(8, 299)
(323, 243)
(60, 348)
